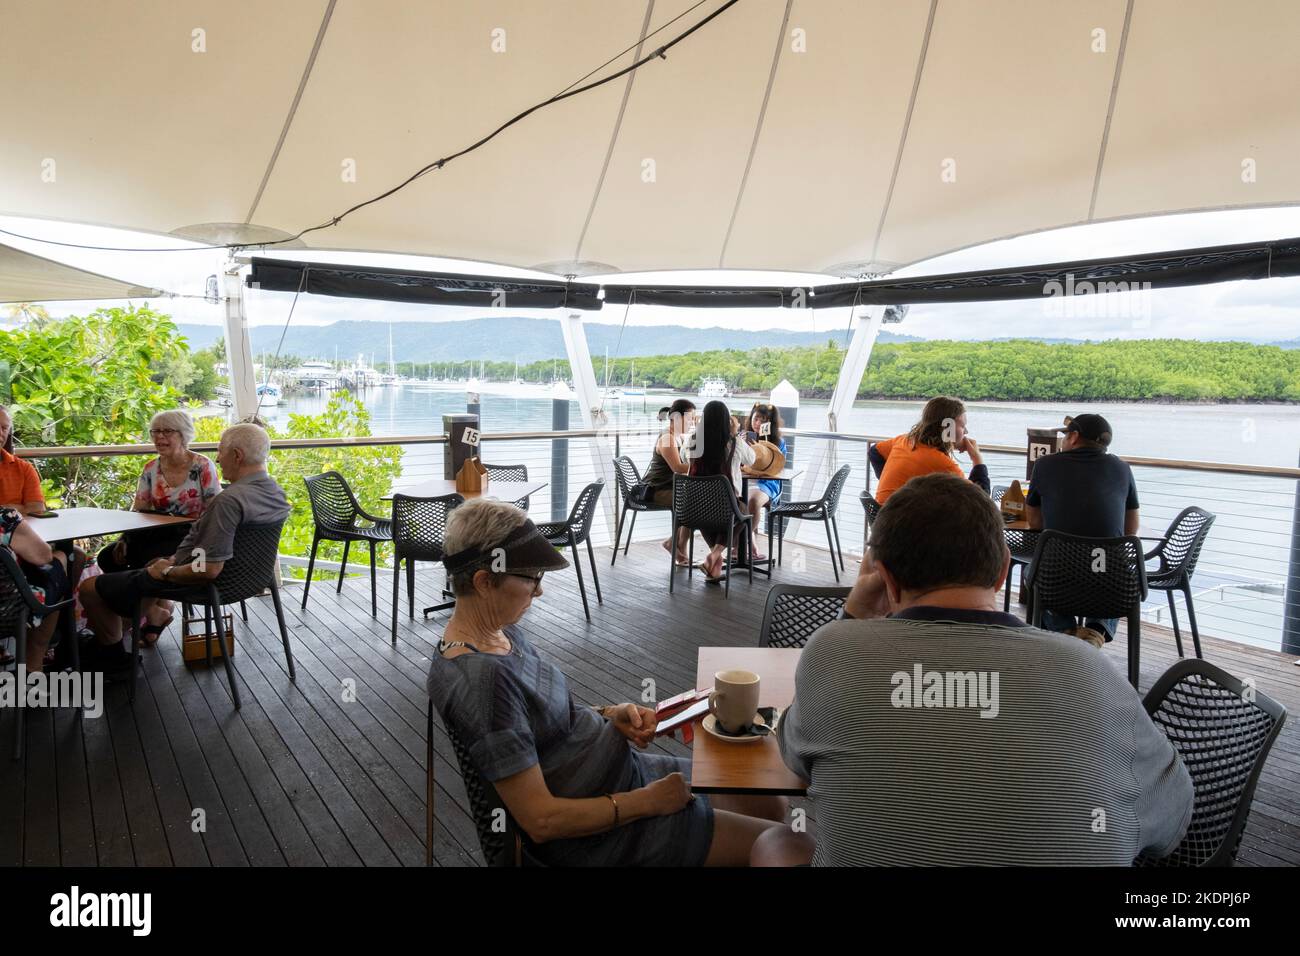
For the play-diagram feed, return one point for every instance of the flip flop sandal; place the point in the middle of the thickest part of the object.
(151, 632)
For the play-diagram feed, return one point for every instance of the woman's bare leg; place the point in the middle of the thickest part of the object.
(781, 846)
(757, 502)
(156, 611)
(734, 835)
(38, 638)
(104, 621)
(765, 808)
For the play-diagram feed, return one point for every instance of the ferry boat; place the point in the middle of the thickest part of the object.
(315, 374)
(713, 387)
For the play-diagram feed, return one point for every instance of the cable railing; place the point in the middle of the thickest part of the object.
(1240, 584)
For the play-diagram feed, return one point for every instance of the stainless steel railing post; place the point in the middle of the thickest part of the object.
(1291, 599)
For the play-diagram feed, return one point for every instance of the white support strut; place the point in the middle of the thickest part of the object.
(239, 353)
(593, 414)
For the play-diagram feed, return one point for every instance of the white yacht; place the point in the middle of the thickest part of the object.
(713, 387)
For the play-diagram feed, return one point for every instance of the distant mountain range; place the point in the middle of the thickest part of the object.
(504, 339)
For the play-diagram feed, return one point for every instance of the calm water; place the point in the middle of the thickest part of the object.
(1239, 581)
(1250, 434)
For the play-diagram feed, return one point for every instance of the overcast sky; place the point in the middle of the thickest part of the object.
(1262, 310)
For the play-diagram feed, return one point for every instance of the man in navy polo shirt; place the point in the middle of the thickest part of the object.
(1083, 490)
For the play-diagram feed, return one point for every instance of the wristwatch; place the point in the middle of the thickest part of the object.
(168, 570)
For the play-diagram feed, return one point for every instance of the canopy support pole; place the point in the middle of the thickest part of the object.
(239, 355)
(593, 414)
(857, 357)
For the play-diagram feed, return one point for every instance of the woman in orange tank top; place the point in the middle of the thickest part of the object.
(929, 447)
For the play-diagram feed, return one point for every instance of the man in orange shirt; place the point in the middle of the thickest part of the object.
(928, 448)
(20, 485)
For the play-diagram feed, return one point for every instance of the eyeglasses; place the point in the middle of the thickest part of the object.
(160, 432)
(535, 578)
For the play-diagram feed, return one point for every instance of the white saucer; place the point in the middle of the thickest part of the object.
(710, 725)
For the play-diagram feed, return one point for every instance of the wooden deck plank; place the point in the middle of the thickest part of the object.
(301, 777)
(76, 823)
(139, 799)
(41, 842)
(243, 815)
(396, 810)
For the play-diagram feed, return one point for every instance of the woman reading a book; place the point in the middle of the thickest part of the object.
(577, 780)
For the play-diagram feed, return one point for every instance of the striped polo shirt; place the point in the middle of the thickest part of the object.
(943, 736)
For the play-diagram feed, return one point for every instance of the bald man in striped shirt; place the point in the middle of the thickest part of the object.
(940, 731)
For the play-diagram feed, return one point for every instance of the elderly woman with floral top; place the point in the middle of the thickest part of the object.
(178, 482)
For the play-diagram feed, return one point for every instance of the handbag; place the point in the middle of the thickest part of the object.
(642, 493)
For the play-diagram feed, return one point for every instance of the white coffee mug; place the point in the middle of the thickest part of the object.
(734, 699)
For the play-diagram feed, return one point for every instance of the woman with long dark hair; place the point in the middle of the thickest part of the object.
(930, 446)
(717, 450)
(668, 460)
(765, 421)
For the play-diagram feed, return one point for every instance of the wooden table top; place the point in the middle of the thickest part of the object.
(501, 490)
(719, 766)
(72, 523)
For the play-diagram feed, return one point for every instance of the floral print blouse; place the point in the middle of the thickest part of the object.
(10, 519)
(187, 499)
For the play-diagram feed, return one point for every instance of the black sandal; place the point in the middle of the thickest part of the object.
(154, 629)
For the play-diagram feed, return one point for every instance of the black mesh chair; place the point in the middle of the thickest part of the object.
(1177, 555)
(706, 504)
(1021, 544)
(870, 506)
(339, 517)
(247, 574)
(626, 477)
(419, 526)
(502, 840)
(1090, 577)
(794, 612)
(508, 473)
(1223, 731)
(823, 509)
(575, 531)
(18, 607)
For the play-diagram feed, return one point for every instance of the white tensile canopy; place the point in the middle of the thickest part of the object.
(836, 136)
(29, 278)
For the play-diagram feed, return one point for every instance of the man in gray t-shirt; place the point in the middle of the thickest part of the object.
(252, 497)
(940, 731)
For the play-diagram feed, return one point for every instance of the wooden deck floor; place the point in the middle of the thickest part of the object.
(308, 773)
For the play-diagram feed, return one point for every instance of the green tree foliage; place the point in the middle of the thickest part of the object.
(1020, 370)
(369, 470)
(89, 381)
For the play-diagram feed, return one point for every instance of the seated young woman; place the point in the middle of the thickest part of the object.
(765, 422)
(577, 780)
(718, 450)
(667, 460)
(931, 446)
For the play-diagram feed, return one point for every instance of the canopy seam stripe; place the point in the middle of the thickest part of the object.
(293, 110)
(660, 53)
(758, 132)
(907, 126)
(613, 136)
(1110, 109)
